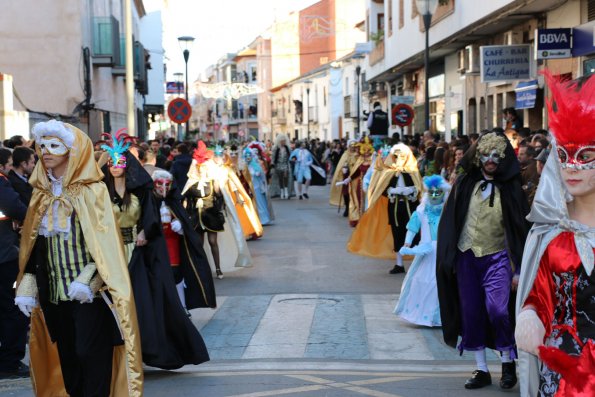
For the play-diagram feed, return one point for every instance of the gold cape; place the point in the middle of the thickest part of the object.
(249, 219)
(372, 236)
(336, 198)
(84, 194)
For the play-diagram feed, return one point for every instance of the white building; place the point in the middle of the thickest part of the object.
(459, 101)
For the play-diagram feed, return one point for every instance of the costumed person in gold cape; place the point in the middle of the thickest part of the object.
(69, 246)
(393, 196)
(233, 188)
(355, 180)
(213, 211)
(340, 192)
(169, 339)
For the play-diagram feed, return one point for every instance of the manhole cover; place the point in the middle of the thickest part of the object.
(305, 301)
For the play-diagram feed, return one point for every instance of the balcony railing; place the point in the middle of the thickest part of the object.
(106, 41)
(377, 54)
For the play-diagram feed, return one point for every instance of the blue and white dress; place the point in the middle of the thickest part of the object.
(259, 181)
(418, 302)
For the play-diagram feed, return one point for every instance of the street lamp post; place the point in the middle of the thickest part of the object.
(185, 43)
(358, 71)
(308, 82)
(179, 76)
(426, 8)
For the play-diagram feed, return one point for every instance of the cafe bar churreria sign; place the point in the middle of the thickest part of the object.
(506, 63)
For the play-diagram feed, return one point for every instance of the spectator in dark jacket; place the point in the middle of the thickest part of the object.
(13, 323)
(181, 164)
(23, 162)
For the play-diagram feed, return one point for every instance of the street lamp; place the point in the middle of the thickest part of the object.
(185, 43)
(178, 77)
(358, 72)
(426, 8)
(307, 83)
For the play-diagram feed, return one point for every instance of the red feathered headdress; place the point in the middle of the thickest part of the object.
(571, 110)
(261, 150)
(201, 154)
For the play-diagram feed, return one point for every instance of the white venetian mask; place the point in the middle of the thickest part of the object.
(52, 145)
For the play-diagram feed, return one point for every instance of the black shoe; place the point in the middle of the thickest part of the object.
(301, 197)
(478, 380)
(306, 196)
(22, 371)
(345, 214)
(508, 379)
(397, 269)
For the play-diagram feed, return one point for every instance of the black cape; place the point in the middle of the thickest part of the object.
(515, 208)
(194, 264)
(169, 340)
(317, 171)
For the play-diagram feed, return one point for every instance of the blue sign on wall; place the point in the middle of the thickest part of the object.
(553, 43)
(506, 63)
(526, 94)
(583, 39)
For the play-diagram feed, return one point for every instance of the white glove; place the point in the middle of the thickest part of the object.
(405, 191)
(80, 292)
(392, 191)
(346, 181)
(176, 226)
(26, 304)
(165, 213)
(529, 331)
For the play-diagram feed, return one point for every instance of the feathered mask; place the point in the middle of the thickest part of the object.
(219, 150)
(201, 154)
(571, 111)
(436, 189)
(116, 145)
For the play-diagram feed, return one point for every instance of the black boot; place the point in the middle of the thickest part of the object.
(508, 379)
(397, 269)
(478, 380)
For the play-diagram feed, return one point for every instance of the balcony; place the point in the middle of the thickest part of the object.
(377, 54)
(106, 41)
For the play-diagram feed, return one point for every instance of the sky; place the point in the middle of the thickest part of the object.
(218, 26)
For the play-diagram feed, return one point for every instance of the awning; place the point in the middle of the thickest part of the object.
(526, 94)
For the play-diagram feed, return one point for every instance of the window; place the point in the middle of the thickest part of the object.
(591, 10)
(324, 96)
(347, 90)
(380, 22)
(401, 13)
(390, 18)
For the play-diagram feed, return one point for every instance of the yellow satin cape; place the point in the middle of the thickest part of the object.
(336, 198)
(372, 236)
(249, 220)
(87, 196)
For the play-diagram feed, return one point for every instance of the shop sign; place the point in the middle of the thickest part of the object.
(553, 43)
(526, 94)
(583, 38)
(506, 63)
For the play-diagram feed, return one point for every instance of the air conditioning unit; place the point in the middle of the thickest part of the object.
(472, 59)
(513, 37)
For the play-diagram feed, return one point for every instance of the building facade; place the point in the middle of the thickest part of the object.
(68, 61)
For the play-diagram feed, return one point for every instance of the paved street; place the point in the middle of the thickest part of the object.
(309, 320)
